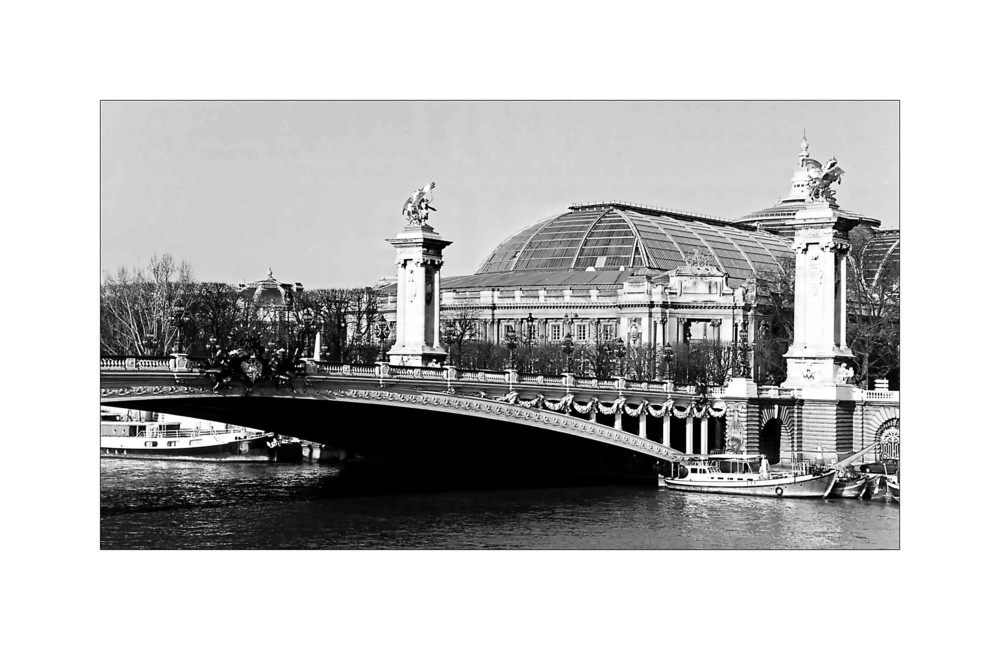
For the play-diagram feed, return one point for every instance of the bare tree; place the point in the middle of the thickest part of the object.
(138, 306)
(346, 319)
(463, 326)
(775, 315)
(873, 310)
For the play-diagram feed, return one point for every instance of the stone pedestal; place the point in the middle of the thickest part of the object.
(819, 354)
(741, 387)
(820, 346)
(418, 297)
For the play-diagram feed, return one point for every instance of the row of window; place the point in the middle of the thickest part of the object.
(580, 331)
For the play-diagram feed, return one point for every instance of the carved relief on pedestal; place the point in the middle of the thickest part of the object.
(815, 273)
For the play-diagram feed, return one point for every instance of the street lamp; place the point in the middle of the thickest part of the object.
(531, 334)
(449, 339)
(149, 344)
(303, 337)
(744, 355)
(668, 356)
(620, 353)
(511, 345)
(382, 333)
(567, 347)
(180, 320)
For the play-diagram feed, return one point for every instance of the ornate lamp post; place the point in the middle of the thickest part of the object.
(744, 355)
(449, 339)
(567, 347)
(181, 319)
(307, 325)
(620, 353)
(382, 333)
(531, 335)
(511, 344)
(149, 344)
(211, 346)
(668, 356)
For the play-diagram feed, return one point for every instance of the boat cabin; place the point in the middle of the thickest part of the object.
(738, 465)
(720, 468)
(112, 428)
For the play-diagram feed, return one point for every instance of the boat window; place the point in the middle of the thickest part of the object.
(171, 443)
(151, 443)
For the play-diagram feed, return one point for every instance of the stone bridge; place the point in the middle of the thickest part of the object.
(411, 408)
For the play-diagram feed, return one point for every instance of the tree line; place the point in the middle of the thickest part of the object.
(159, 309)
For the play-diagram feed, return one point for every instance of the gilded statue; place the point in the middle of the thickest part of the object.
(821, 177)
(418, 207)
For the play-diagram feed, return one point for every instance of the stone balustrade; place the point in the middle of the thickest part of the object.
(385, 371)
(881, 395)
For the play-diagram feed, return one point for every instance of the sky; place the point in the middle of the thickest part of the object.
(311, 190)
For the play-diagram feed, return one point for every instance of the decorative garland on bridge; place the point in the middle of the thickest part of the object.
(663, 409)
(715, 409)
(560, 405)
(637, 411)
(616, 407)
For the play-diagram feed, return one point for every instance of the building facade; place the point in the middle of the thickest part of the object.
(610, 271)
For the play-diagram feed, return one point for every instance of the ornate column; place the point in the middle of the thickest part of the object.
(819, 350)
(418, 297)
(819, 347)
(642, 424)
(618, 420)
(689, 435)
(704, 434)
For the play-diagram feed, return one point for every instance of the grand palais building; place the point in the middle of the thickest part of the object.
(615, 270)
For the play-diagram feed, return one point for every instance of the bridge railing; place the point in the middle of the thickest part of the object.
(129, 362)
(482, 376)
(776, 392)
(384, 370)
(881, 395)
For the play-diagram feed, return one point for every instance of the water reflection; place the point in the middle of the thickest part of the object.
(169, 504)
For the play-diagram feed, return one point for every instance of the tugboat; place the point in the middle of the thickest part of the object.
(739, 474)
(128, 438)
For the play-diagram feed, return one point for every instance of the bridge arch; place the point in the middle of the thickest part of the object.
(877, 419)
(776, 431)
(492, 409)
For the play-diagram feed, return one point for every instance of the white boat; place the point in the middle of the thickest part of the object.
(167, 440)
(732, 474)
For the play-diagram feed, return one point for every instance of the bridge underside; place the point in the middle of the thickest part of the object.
(390, 445)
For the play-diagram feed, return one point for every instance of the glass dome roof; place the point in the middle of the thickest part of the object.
(613, 236)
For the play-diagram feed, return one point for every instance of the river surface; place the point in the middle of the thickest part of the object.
(149, 504)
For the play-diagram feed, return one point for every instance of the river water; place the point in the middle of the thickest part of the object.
(208, 505)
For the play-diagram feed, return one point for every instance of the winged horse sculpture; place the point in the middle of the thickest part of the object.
(417, 208)
(821, 178)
